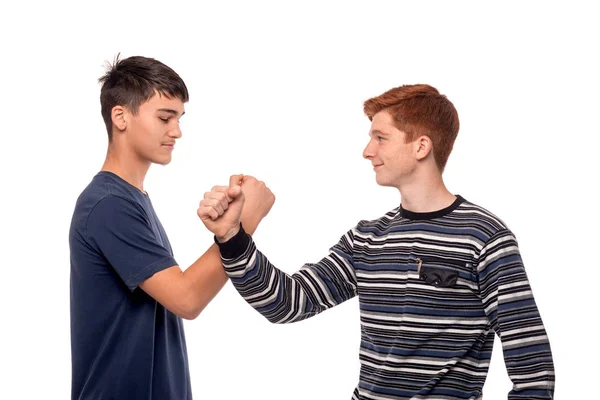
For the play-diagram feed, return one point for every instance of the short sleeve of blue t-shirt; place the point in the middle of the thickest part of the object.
(122, 232)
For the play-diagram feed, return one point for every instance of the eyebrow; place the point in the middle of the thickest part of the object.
(170, 111)
(378, 132)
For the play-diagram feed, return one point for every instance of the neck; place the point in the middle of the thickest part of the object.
(433, 195)
(127, 166)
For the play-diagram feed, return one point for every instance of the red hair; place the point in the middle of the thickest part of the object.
(420, 110)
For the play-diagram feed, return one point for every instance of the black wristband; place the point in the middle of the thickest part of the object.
(235, 246)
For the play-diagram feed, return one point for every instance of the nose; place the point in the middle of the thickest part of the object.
(175, 132)
(368, 152)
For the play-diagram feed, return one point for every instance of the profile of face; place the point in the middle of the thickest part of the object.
(393, 160)
(151, 133)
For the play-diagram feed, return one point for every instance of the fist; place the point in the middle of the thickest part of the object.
(221, 209)
(258, 201)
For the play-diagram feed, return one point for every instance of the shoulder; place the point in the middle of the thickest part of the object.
(110, 203)
(114, 217)
(109, 190)
(118, 208)
(487, 223)
(111, 184)
(378, 225)
(476, 213)
(100, 208)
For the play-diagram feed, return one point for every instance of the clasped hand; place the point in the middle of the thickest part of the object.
(246, 199)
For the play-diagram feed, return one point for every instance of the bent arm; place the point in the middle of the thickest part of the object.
(121, 232)
(283, 298)
(187, 293)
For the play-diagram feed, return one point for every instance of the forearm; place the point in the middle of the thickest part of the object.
(279, 297)
(203, 280)
(206, 277)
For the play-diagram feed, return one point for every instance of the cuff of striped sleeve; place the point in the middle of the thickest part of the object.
(236, 246)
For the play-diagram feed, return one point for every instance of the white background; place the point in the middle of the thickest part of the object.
(277, 92)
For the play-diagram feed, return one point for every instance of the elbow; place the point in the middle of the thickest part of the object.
(288, 318)
(190, 312)
(189, 309)
(279, 320)
(189, 315)
(192, 304)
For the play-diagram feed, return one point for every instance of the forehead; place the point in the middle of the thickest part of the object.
(161, 102)
(383, 122)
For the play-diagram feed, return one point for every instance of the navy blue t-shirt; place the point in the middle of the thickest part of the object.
(124, 344)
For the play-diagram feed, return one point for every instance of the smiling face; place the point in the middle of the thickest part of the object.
(393, 160)
(152, 131)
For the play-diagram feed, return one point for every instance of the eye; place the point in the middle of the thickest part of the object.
(165, 120)
(380, 138)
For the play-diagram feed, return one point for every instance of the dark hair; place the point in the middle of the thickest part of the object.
(420, 110)
(132, 81)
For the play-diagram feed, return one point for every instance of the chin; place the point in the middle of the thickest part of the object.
(381, 182)
(162, 162)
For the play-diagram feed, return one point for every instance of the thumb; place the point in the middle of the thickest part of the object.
(235, 191)
(235, 179)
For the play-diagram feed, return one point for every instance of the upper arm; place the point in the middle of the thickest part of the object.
(502, 279)
(511, 309)
(121, 232)
(342, 255)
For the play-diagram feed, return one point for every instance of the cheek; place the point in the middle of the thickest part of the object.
(396, 157)
(145, 135)
(389, 153)
(153, 130)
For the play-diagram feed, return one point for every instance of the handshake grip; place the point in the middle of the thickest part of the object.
(245, 200)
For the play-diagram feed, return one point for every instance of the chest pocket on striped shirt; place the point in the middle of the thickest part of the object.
(441, 277)
(435, 274)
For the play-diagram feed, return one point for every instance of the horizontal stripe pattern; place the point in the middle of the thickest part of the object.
(420, 338)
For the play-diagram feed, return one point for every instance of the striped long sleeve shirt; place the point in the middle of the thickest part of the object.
(433, 289)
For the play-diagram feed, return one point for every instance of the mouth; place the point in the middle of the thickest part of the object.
(375, 166)
(169, 146)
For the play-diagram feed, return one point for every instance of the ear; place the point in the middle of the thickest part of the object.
(423, 147)
(119, 117)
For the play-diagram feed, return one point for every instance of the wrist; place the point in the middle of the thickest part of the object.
(235, 246)
(250, 224)
(228, 235)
